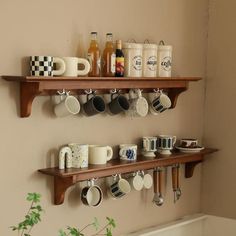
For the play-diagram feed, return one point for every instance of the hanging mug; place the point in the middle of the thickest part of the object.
(68, 105)
(91, 195)
(160, 103)
(94, 105)
(138, 104)
(118, 104)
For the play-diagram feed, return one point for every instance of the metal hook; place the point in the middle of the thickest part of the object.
(113, 91)
(156, 90)
(63, 92)
(88, 91)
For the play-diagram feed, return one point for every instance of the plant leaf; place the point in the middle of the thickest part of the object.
(111, 222)
(62, 233)
(95, 223)
(34, 197)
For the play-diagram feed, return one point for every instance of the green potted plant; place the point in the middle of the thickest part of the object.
(33, 217)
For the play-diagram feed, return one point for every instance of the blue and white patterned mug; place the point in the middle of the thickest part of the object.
(128, 152)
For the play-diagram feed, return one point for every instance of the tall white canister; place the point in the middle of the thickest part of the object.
(133, 59)
(164, 60)
(149, 60)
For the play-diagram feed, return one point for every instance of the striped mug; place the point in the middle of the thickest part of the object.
(165, 144)
(160, 103)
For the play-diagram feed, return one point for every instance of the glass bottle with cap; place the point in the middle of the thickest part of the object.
(94, 56)
(109, 57)
(119, 59)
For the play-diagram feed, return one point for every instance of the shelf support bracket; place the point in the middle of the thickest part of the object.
(28, 91)
(174, 94)
(60, 187)
(189, 168)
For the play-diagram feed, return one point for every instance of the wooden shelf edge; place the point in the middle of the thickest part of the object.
(69, 79)
(116, 166)
(30, 87)
(63, 179)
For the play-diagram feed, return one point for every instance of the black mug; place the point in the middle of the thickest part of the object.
(94, 105)
(118, 104)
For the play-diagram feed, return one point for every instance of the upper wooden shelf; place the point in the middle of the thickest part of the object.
(30, 86)
(63, 179)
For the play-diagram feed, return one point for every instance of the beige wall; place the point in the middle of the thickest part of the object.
(62, 27)
(219, 188)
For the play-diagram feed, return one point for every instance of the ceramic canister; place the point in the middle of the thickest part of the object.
(164, 60)
(149, 60)
(133, 59)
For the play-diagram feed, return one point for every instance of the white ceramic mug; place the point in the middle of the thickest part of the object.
(160, 103)
(165, 144)
(147, 181)
(136, 181)
(72, 66)
(119, 188)
(128, 152)
(68, 106)
(138, 104)
(99, 155)
(73, 155)
(149, 146)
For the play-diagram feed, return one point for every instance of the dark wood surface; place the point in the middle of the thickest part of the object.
(30, 87)
(63, 179)
(41, 79)
(117, 166)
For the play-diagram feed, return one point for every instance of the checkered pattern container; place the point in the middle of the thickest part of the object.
(41, 66)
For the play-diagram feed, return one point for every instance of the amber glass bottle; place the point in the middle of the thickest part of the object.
(109, 57)
(94, 56)
(119, 60)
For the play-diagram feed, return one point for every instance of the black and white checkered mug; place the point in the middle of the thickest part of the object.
(44, 66)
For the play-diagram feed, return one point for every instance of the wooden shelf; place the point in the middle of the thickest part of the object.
(63, 179)
(30, 87)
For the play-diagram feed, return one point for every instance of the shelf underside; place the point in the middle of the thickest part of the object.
(117, 166)
(63, 179)
(30, 87)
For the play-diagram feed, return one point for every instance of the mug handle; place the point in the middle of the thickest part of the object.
(121, 152)
(174, 140)
(65, 157)
(62, 65)
(86, 64)
(109, 153)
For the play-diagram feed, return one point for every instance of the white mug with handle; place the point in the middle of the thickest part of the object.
(138, 104)
(99, 155)
(72, 66)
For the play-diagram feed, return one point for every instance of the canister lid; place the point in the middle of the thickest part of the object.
(132, 45)
(149, 46)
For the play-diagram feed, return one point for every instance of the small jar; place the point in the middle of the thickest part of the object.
(149, 60)
(164, 60)
(133, 59)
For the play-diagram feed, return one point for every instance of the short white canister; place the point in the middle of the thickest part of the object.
(164, 60)
(149, 60)
(133, 59)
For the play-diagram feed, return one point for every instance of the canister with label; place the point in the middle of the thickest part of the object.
(149, 60)
(133, 59)
(164, 60)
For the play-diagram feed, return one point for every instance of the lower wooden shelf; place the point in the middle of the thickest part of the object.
(63, 179)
